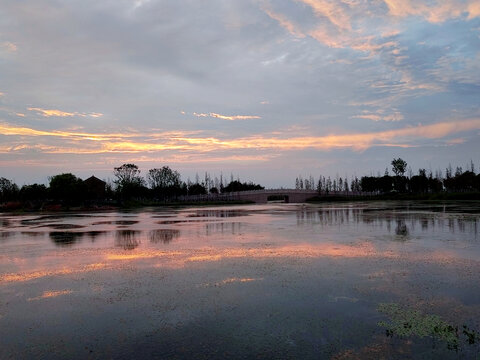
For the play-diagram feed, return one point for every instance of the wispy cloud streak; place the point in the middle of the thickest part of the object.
(60, 113)
(227, 117)
(88, 143)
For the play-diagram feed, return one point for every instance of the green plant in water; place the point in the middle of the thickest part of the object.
(406, 322)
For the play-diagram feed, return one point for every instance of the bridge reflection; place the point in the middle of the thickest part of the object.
(263, 196)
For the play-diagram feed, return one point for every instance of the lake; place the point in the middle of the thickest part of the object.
(360, 280)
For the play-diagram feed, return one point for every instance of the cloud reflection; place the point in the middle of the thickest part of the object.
(33, 275)
(51, 294)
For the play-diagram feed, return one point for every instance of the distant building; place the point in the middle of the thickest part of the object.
(95, 187)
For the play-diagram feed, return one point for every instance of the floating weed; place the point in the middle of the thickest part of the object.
(406, 323)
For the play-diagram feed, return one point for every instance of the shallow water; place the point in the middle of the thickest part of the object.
(340, 281)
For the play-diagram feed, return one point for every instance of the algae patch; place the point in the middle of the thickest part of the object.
(406, 322)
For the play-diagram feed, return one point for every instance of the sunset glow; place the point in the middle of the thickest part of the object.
(307, 86)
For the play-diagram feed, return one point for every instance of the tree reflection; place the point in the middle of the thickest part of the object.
(401, 229)
(127, 239)
(94, 234)
(4, 223)
(403, 220)
(223, 228)
(65, 238)
(220, 213)
(163, 235)
(6, 234)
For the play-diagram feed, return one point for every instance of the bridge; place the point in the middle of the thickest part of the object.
(263, 196)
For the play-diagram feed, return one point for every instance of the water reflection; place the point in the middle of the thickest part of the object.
(65, 238)
(6, 234)
(223, 228)
(116, 222)
(404, 219)
(127, 239)
(301, 280)
(401, 229)
(220, 213)
(33, 233)
(4, 223)
(63, 226)
(163, 235)
(94, 234)
(41, 220)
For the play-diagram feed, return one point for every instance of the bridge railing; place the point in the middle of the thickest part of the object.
(239, 195)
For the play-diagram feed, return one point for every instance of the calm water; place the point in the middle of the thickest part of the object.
(334, 281)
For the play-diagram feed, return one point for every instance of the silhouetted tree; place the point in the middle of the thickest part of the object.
(197, 189)
(458, 171)
(449, 171)
(163, 178)
(128, 181)
(8, 190)
(345, 185)
(319, 185)
(34, 192)
(399, 166)
(369, 183)
(127, 174)
(165, 183)
(385, 184)
(419, 183)
(67, 187)
(236, 185)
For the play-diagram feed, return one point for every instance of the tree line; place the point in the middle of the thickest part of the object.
(159, 184)
(402, 181)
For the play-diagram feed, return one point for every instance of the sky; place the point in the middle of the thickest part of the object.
(266, 90)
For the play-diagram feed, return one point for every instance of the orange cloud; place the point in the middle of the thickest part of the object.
(51, 112)
(60, 113)
(9, 46)
(225, 117)
(455, 141)
(85, 143)
(380, 116)
(437, 12)
(284, 22)
(332, 10)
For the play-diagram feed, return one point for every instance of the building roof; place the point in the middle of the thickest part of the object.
(93, 179)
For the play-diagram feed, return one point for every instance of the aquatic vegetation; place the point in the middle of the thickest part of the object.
(406, 322)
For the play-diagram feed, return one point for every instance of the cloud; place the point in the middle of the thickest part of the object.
(284, 22)
(336, 74)
(51, 112)
(380, 115)
(9, 46)
(436, 12)
(463, 70)
(334, 11)
(60, 113)
(145, 143)
(455, 141)
(226, 117)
